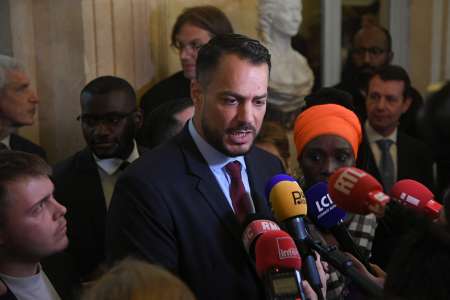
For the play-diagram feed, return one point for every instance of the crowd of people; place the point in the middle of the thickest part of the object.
(153, 207)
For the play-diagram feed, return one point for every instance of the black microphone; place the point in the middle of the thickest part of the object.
(326, 215)
(289, 206)
(345, 266)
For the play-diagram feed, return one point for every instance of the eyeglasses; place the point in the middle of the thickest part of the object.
(110, 119)
(192, 46)
(374, 51)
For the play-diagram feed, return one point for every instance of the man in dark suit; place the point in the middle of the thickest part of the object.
(84, 182)
(18, 104)
(371, 50)
(179, 206)
(387, 153)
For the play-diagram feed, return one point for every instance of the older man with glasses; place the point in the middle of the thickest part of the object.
(85, 181)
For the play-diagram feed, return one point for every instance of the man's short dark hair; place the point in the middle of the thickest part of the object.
(329, 95)
(397, 73)
(105, 84)
(161, 124)
(206, 17)
(16, 165)
(246, 48)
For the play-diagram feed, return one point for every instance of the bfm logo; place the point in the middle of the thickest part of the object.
(347, 180)
(324, 203)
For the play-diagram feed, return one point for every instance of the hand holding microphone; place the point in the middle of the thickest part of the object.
(356, 191)
(416, 196)
(326, 215)
(289, 206)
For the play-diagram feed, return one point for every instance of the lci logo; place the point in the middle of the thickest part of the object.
(286, 248)
(324, 203)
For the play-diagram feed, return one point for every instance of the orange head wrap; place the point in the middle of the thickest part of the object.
(327, 119)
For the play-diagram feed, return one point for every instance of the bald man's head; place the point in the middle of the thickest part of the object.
(371, 49)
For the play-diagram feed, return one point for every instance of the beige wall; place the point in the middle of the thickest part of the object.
(242, 13)
(65, 43)
(428, 36)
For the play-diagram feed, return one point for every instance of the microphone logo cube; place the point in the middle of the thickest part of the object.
(298, 198)
(347, 180)
(286, 248)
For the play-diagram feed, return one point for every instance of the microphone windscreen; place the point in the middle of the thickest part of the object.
(415, 195)
(287, 200)
(321, 208)
(354, 190)
(274, 180)
(256, 225)
(276, 249)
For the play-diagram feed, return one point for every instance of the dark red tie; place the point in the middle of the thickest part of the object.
(237, 190)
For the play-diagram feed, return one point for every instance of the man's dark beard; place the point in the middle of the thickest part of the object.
(363, 75)
(216, 141)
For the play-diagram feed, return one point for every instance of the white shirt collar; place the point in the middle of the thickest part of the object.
(6, 141)
(111, 165)
(373, 136)
(215, 159)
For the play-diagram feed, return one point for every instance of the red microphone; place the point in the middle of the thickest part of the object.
(278, 264)
(356, 191)
(257, 225)
(415, 195)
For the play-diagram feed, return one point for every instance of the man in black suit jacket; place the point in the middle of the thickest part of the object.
(372, 49)
(84, 182)
(175, 206)
(18, 104)
(405, 157)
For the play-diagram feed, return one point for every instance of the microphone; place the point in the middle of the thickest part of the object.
(416, 196)
(326, 215)
(345, 266)
(356, 191)
(278, 264)
(257, 224)
(289, 206)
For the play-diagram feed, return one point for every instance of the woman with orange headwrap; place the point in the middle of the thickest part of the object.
(326, 138)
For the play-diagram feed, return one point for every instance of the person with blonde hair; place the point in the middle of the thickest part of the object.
(273, 139)
(132, 279)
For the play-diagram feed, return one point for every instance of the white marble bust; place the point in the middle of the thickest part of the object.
(291, 78)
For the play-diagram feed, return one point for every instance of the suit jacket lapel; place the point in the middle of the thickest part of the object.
(402, 157)
(95, 205)
(207, 185)
(257, 184)
(367, 160)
